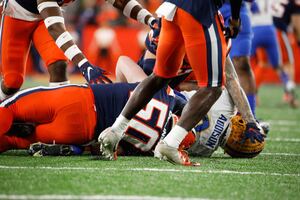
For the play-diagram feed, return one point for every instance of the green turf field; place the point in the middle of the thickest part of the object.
(274, 174)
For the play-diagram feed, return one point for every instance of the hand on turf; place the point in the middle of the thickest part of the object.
(93, 74)
(253, 133)
(233, 29)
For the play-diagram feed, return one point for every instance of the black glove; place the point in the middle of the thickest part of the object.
(253, 133)
(93, 74)
(233, 29)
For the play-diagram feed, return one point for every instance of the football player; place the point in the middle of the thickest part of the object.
(192, 27)
(41, 21)
(76, 114)
(241, 49)
(285, 13)
(265, 37)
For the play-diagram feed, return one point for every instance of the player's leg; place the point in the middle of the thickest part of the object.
(53, 57)
(14, 142)
(128, 71)
(288, 65)
(16, 40)
(240, 54)
(169, 58)
(206, 51)
(275, 58)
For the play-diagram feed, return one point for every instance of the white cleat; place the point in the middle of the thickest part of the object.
(108, 144)
(172, 155)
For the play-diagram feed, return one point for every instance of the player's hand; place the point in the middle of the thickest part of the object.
(233, 29)
(93, 74)
(253, 133)
(153, 35)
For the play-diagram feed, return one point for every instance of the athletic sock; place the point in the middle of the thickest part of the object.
(120, 125)
(54, 84)
(284, 78)
(252, 102)
(176, 136)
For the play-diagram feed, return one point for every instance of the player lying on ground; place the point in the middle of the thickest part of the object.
(42, 22)
(142, 134)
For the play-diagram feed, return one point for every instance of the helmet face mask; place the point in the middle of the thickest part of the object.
(232, 144)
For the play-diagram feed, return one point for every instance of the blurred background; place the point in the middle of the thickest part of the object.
(103, 34)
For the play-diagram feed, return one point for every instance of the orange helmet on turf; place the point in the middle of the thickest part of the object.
(233, 145)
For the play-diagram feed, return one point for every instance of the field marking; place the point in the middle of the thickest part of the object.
(151, 170)
(94, 197)
(283, 139)
(284, 122)
(269, 154)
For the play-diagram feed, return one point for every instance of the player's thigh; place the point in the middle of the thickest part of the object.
(170, 50)
(16, 41)
(241, 46)
(46, 46)
(206, 50)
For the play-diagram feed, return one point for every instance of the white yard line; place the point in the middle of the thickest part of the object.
(93, 197)
(149, 170)
(284, 122)
(283, 139)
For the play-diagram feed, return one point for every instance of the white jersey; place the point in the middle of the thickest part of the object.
(264, 15)
(16, 11)
(212, 129)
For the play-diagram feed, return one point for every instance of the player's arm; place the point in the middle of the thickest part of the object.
(134, 10)
(237, 93)
(54, 22)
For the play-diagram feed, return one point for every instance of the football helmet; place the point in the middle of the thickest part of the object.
(233, 144)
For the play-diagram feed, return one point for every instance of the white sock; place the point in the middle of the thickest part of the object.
(120, 125)
(2, 95)
(176, 136)
(54, 84)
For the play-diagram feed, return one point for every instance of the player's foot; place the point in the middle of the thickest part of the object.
(109, 141)
(41, 149)
(172, 155)
(290, 98)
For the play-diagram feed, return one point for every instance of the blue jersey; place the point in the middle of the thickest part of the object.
(202, 10)
(146, 128)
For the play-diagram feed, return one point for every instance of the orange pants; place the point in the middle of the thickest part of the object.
(205, 49)
(65, 115)
(16, 40)
(285, 48)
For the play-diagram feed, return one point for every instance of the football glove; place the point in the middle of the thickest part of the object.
(253, 133)
(155, 26)
(233, 29)
(93, 74)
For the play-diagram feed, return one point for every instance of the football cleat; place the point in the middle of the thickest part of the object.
(109, 141)
(40, 149)
(172, 155)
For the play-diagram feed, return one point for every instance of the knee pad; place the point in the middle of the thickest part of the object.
(6, 120)
(13, 80)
